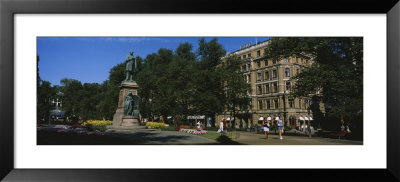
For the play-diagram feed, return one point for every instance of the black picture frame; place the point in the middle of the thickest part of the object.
(8, 8)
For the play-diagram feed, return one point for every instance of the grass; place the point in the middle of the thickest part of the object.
(211, 135)
(223, 139)
(169, 128)
(54, 138)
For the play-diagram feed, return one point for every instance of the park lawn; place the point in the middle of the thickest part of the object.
(211, 135)
(54, 138)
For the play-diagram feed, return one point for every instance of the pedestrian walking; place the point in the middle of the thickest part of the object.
(199, 125)
(260, 121)
(280, 127)
(266, 127)
(221, 126)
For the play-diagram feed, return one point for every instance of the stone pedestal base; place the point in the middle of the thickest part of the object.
(130, 121)
(126, 87)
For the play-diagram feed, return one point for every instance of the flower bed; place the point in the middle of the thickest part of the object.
(193, 131)
(97, 123)
(156, 125)
(66, 129)
(182, 127)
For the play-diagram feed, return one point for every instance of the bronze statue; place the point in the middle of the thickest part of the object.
(128, 107)
(130, 67)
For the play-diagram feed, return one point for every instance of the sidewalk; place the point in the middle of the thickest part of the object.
(248, 138)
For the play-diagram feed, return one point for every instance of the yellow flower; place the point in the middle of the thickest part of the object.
(156, 125)
(97, 122)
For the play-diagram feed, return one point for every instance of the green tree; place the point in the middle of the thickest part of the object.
(45, 92)
(337, 73)
(72, 96)
(180, 72)
(236, 89)
(209, 97)
(111, 87)
(155, 90)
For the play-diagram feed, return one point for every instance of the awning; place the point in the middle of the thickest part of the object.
(311, 118)
(306, 118)
(196, 117)
(261, 118)
(277, 118)
(269, 119)
(301, 118)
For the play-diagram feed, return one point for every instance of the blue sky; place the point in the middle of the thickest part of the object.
(89, 59)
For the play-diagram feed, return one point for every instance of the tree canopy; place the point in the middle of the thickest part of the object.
(175, 83)
(336, 73)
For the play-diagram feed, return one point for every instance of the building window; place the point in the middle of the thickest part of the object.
(266, 75)
(258, 53)
(288, 86)
(291, 103)
(286, 59)
(268, 104)
(287, 72)
(267, 88)
(298, 70)
(258, 64)
(275, 87)
(266, 62)
(259, 76)
(274, 75)
(249, 66)
(274, 61)
(244, 68)
(276, 103)
(300, 103)
(259, 89)
(248, 78)
(249, 55)
(260, 105)
(244, 56)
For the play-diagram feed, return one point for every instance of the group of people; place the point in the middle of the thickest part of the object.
(222, 124)
(266, 123)
(306, 129)
(199, 125)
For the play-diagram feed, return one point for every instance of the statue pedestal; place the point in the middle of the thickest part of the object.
(125, 88)
(130, 121)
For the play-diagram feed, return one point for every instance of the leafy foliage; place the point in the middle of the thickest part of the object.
(171, 83)
(337, 73)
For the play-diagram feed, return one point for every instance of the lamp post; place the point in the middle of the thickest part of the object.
(284, 106)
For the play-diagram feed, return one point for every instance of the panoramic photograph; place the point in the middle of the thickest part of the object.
(199, 91)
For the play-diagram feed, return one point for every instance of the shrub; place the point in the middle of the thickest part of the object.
(156, 125)
(99, 125)
(97, 122)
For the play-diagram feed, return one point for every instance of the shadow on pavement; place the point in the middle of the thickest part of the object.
(152, 137)
(224, 140)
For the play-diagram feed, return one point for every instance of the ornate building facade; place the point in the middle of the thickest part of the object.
(271, 85)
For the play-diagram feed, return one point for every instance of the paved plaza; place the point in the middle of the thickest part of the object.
(154, 136)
